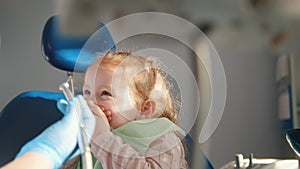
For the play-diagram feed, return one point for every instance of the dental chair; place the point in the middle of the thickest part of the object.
(31, 112)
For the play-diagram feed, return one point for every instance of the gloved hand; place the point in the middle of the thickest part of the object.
(88, 118)
(59, 140)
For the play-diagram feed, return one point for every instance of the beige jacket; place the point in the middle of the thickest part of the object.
(166, 152)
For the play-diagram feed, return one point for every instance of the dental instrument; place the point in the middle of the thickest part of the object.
(86, 156)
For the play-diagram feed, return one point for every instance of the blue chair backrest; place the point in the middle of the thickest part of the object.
(27, 115)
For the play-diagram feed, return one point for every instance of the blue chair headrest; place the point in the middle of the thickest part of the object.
(62, 50)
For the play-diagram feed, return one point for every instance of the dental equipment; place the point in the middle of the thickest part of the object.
(86, 156)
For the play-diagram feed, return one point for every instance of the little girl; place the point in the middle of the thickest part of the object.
(135, 114)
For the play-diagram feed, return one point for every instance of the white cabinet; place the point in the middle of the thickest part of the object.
(295, 88)
(288, 80)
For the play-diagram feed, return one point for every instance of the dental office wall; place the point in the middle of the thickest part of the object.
(22, 64)
(249, 123)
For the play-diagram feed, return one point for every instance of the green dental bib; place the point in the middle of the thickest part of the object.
(141, 133)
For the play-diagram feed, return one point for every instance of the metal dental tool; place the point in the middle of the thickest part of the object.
(86, 156)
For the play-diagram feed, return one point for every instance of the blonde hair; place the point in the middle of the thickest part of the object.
(148, 82)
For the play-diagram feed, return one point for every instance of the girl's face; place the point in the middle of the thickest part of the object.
(108, 89)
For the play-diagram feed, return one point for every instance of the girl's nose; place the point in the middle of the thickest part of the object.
(93, 99)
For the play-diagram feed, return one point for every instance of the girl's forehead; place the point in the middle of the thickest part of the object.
(98, 68)
(117, 71)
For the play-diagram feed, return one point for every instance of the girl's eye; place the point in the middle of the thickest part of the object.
(105, 93)
(87, 92)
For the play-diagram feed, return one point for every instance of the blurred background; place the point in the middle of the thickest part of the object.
(255, 39)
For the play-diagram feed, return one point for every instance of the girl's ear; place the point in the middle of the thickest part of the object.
(147, 110)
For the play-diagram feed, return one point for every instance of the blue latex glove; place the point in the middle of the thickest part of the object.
(59, 140)
(88, 118)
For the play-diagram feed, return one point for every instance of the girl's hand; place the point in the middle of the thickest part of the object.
(102, 116)
(107, 113)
